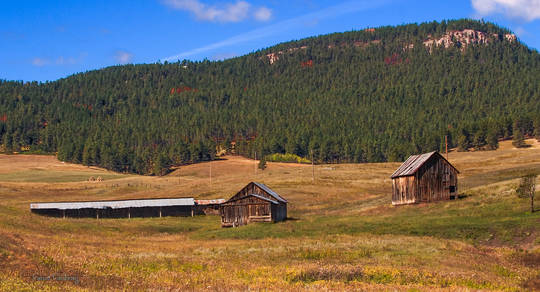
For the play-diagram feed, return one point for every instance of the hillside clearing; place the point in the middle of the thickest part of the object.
(343, 232)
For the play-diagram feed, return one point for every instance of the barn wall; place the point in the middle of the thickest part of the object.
(433, 181)
(435, 178)
(279, 212)
(243, 211)
(118, 213)
(404, 190)
(250, 189)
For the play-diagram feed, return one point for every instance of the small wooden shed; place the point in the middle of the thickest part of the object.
(254, 203)
(426, 177)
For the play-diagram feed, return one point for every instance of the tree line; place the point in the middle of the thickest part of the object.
(366, 96)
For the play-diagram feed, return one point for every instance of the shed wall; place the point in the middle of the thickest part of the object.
(404, 190)
(118, 212)
(435, 180)
(243, 211)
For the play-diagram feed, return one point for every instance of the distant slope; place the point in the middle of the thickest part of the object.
(373, 95)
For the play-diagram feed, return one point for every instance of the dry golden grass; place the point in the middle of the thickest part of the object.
(345, 234)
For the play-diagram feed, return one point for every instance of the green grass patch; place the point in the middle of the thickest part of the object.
(134, 226)
(469, 219)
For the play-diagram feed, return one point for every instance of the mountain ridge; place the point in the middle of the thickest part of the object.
(353, 103)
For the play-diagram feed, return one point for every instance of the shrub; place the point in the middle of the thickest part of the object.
(290, 158)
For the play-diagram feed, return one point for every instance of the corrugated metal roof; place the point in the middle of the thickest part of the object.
(412, 164)
(209, 202)
(264, 198)
(256, 196)
(116, 204)
(270, 192)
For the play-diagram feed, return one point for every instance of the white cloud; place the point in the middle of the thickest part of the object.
(528, 10)
(286, 25)
(227, 12)
(123, 57)
(39, 62)
(263, 14)
(65, 61)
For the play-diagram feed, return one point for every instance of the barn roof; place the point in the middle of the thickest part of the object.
(210, 202)
(138, 203)
(270, 192)
(414, 162)
(256, 196)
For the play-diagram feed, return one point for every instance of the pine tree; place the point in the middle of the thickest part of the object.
(492, 140)
(527, 188)
(262, 163)
(86, 155)
(518, 139)
(537, 128)
(161, 164)
(479, 139)
(463, 141)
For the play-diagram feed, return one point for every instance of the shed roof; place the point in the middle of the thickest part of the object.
(270, 192)
(210, 202)
(137, 203)
(414, 162)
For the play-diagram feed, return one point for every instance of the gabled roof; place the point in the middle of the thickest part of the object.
(256, 196)
(414, 162)
(270, 192)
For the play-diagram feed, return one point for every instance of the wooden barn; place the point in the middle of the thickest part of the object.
(254, 203)
(426, 177)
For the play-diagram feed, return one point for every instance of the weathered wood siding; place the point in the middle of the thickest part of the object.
(435, 180)
(404, 190)
(252, 188)
(279, 212)
(119, 213)
(246, 210)
(253, 204)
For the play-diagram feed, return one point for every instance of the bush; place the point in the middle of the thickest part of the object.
(290, 158)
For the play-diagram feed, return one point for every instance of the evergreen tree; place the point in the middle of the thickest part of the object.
(262, 163)
(518, 139)
(463, 141)
(537, 128)
(387, 104)
(492, 140)
(161, 164)
(479, 139)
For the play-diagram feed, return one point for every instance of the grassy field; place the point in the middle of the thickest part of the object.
(343, 233)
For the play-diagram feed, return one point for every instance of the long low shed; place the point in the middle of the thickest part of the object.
(118, 209)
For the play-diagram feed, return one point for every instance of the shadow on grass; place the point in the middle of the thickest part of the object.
(463, 196)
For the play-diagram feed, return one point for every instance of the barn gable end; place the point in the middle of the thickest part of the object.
(254, 203)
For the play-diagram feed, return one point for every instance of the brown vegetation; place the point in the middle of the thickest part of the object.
(344, 234)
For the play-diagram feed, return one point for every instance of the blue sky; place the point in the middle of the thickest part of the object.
(47, 40)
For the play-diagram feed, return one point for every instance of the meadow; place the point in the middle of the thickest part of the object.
(342, 234)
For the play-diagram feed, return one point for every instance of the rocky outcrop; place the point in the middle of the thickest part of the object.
(463, 38)
(460, 38)
(273, 57)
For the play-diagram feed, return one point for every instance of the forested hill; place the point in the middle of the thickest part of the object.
(372, 95)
